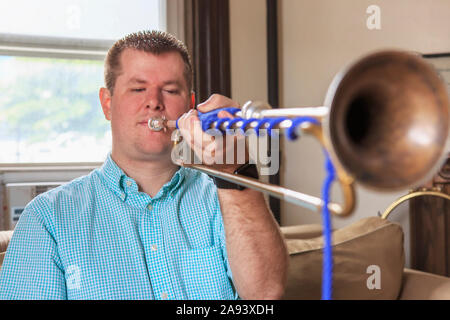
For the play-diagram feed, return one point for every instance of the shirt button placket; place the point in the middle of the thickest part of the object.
(160, 275)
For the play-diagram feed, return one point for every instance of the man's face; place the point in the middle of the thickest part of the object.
(148, 86)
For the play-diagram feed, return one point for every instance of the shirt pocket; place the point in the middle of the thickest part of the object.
(204, 274)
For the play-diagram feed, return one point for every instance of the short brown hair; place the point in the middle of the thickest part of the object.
(155, 42)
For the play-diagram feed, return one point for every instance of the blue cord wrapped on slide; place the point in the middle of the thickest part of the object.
(207, 119)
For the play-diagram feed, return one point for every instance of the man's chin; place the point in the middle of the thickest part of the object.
(152, 153)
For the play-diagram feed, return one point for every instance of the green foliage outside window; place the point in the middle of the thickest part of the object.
(43, 100)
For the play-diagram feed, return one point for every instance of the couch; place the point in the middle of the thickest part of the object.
(368, 261)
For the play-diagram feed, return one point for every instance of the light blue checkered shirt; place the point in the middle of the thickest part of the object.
(98, 237)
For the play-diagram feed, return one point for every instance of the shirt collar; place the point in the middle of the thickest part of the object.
(116, 180)
(174, 183)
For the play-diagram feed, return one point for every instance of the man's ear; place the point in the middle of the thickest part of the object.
(192, 105)
(105, 101)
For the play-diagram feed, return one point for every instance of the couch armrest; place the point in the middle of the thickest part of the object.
(304, 231)
(5, 237)
(418, 285)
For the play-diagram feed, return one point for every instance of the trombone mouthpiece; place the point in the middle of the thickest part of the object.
(160, 123)
(157, 123)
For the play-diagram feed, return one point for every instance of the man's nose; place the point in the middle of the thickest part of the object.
(154, 101)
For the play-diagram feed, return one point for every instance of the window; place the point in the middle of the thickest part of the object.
(51, 68)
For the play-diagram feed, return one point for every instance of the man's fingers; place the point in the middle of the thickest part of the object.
(191, 129)
(207, 146)
(225, 114)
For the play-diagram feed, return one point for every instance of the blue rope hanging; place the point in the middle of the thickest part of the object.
(207, 119)
(327, 271)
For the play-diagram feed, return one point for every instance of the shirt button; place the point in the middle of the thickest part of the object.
(129, 183)
(164, 295)
(150, 207)
(154, 247)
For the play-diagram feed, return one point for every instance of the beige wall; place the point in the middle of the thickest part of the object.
(248, 53)
(248, 50)
(317, 39)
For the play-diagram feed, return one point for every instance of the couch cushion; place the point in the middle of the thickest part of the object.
(368, 242)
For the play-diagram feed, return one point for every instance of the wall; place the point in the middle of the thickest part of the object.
(248, 46)
(317, 39)
(248, 50)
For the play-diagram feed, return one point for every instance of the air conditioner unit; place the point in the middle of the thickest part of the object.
(18, 195)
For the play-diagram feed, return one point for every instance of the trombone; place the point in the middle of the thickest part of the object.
(384, 123)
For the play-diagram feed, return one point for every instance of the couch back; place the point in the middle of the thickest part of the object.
(368, 260)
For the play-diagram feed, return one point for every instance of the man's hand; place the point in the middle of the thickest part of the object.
(223, 152)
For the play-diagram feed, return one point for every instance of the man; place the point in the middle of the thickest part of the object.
(141, 227)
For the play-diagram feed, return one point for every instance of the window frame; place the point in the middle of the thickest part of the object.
(53, 47)
(171, 13)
